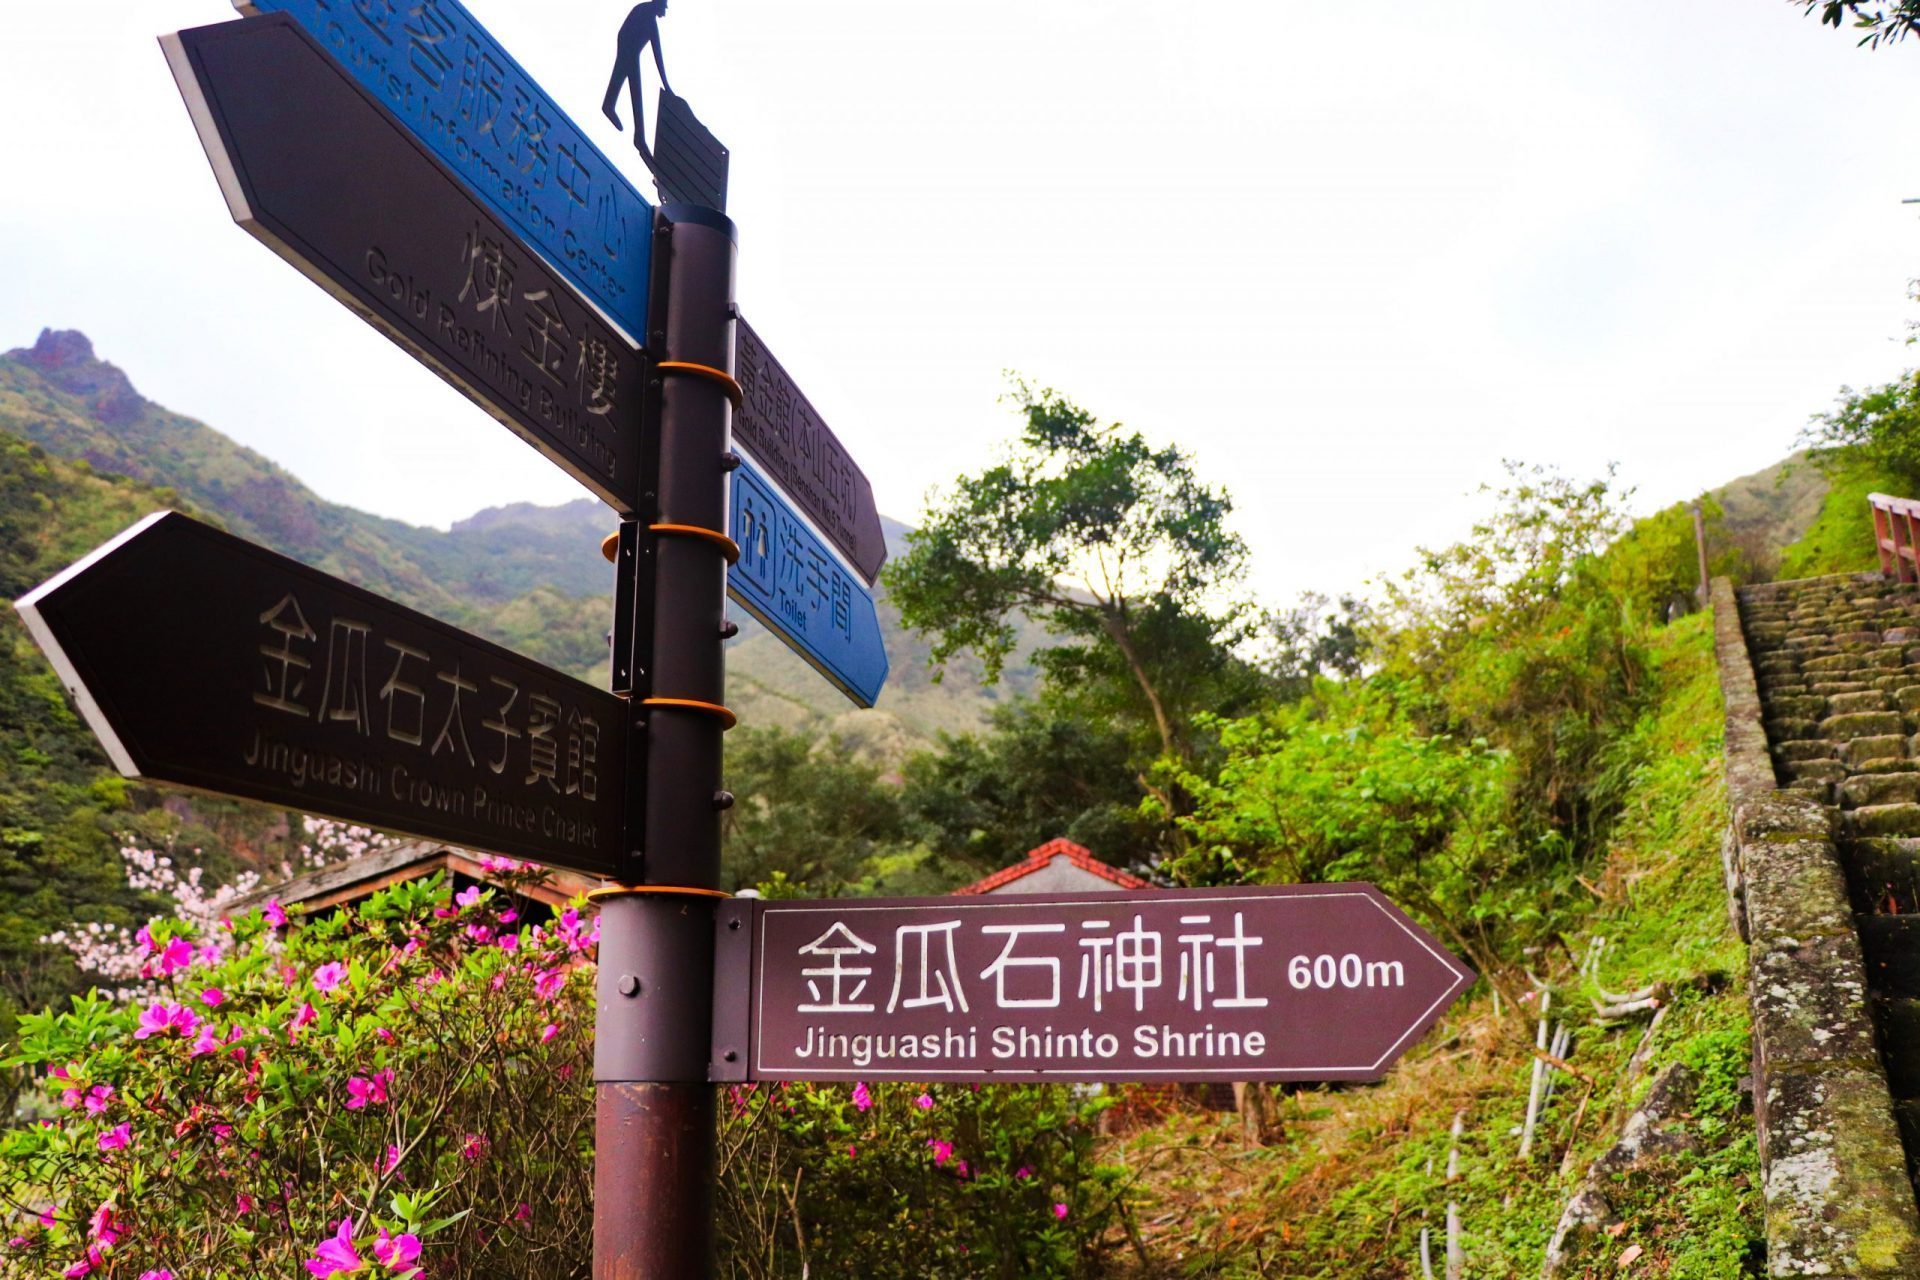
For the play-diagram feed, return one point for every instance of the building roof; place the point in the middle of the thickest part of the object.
(362, 877)
(1045, 856)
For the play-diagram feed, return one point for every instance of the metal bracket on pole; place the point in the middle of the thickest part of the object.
(733, 944)
(652, 1005)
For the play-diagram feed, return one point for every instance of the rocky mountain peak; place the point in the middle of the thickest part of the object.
(65, 358)
(58, 348)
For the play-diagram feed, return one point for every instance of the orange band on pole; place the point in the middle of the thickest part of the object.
(728, 546)
(601, 895)
(711, 374)
(713, 709)
(610, 548)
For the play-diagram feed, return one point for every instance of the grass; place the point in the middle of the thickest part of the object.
(1345, 1190)
(1840, 539)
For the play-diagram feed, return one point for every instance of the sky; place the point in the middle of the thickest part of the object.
(1350, 256)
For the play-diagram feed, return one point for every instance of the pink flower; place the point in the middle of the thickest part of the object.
(160, 1018)
(509, 916)
(101, 1226)
(336, 1255)
(177, 955)
(523, 1212)
(243, 1204)
(207, 1042)
(960, 1168)
(71, 1098)
(328, 977)
(301, 1018)
(159, 1274)
(365, 1091)
(862, 1099)
(396, 1252)
(548, 1032)
(852, 1152)
(213, 997)
(1022, 1173)
(942, 1151)
(469, 897)
(393, 1160)
(550, 983)
(924, 1102)
(1059, 1213)
(474, 1146)
(85, 1266)
(276, 915)
(117, 1138)
(98, 1097)
(509, 942)
(47, 1218)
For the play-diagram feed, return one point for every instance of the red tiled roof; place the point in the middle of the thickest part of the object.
(1046, 853)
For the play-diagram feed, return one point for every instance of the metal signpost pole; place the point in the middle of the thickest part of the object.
(654, 1141)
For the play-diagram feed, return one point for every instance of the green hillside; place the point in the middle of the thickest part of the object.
(528, 577)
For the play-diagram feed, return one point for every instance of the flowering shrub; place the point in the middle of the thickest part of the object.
(404, 1090)
(397, 1091)
(120, 959)
(900, 1181)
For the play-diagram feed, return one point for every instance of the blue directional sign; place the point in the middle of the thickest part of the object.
(463, 95)
(798, 589)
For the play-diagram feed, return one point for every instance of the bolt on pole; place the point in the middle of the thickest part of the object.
(654, 1149)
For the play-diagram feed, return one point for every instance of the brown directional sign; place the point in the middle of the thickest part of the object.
(780, 429)
(1313, 982)
(204, 661)
(317, 169)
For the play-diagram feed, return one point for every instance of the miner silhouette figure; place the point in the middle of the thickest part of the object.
(641, 29)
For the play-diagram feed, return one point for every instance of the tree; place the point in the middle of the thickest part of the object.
(1880, 21)
(1316, 637)
(815, 816)
(1115, 546)
(1879, 426)
(1041, 773)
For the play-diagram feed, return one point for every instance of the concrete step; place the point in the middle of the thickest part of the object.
(1883, 874)
(1884, 820)
(1899, 1022)
(1873, 790)
(1880, 746)
(1853, 726)
(1846, 704)
(1892, 946)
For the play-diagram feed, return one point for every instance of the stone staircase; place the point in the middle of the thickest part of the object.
(1838, 665)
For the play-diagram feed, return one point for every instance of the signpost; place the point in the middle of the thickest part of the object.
(1316, 982)
(297, 143)
(788, 579)
(201, 660)
(778, 427)
(401, 159)
(461, 94)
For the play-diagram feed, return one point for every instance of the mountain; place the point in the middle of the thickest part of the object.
(1771, 510)
(529, 577)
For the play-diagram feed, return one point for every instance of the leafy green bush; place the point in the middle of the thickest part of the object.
(1347, 787)
(897, 1182)
(1878, 427)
